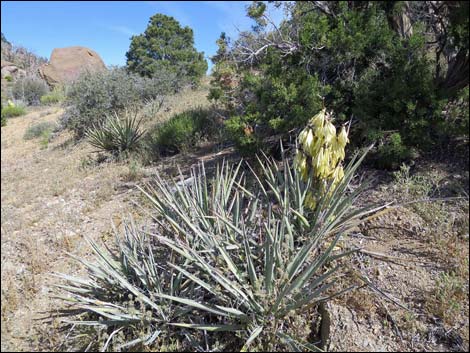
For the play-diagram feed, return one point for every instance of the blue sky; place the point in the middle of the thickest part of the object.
(106, 26)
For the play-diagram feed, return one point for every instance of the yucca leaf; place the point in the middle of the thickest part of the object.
(253, 334)
(211, 328)
(195, 304)
(296, 345)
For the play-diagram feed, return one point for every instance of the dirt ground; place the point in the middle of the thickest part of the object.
(52, 197)
(414, 260)
(49, 202)
(415, 266)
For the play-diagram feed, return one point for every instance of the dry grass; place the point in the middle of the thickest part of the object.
(420, 263)
(178, 103)
(447, 229)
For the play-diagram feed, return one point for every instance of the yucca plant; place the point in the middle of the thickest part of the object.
(231, 253)
(117, 134)
(119, 295)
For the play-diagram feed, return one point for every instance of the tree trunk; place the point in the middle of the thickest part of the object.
(457, 74)
(401, 22)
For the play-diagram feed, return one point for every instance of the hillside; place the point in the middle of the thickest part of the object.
(53, 196)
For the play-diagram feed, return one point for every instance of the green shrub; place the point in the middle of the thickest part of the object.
(455, 124)
(12, 111)
(39, 130)
(94, 95)
(116, 135)
(390, 152)
(222, 258)
(29, 89)
(239, 130)
(45, 138)
(280, 102)
(356, 59)
(181, 132)
(56, 96)
(8, 78)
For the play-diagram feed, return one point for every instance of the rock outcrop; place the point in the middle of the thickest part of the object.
(66, 64)
(10, 69)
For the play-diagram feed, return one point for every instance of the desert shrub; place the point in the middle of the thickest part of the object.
(8, 78)
(38, 130)
(227, 255)
(29, 89)
(150, 108)
(181, 131)
(239, 130)
(390, 151)
(134, 171)
(45, 139)
(94, 95)
(57, 95)
(447, 297)
(455, 125)
(275, 103)
(117, 134)
(10, 111)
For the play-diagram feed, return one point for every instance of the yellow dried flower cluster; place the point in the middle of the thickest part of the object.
(321, 152)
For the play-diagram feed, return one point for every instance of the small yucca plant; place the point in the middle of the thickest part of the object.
(117, 134)
(225, 254)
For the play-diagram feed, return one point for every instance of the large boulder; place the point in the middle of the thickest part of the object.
(66, 64)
